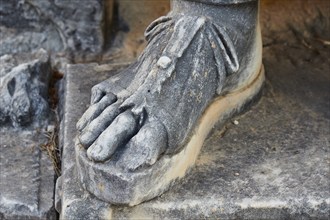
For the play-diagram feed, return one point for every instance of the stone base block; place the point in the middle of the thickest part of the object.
(270, 163)
(27, 176)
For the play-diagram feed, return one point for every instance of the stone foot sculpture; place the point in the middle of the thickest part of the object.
(145, 127)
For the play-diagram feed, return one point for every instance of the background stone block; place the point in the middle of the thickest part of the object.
(26, 172)
(24, 84)
(60, 25)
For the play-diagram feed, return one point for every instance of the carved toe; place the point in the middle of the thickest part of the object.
(95, 110)
(145, 147)
(116, 135)
(93, 130)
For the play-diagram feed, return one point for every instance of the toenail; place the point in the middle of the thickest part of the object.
(93, 151)
(164, 62)
(97, 149)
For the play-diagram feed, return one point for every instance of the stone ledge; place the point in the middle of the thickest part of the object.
(27, 176)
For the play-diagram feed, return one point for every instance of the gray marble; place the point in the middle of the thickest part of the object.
(61, 25)
(27, 176)
(24, 88)
(141, 132)
(270, 163)
(70, 199)
(27, 173)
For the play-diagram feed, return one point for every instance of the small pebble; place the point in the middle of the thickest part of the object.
(236, 174)
(236, 122)
(164, 62)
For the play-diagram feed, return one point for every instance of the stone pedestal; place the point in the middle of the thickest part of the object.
(270, 163)
(27, 176)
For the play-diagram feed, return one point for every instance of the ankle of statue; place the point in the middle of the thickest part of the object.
(227, 14)
(217, 10)
(219, 2)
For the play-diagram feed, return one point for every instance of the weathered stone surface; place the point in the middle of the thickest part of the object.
(27, 176)
(60, 25)
(24, 88)
(272, 165)
(195, 60)
(70, 197)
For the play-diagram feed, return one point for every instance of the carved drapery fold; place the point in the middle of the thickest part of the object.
(185, 30)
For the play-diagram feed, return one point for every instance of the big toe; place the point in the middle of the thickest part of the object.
(116, 135)
(145, 147)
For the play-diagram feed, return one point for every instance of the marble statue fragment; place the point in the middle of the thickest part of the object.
(27, 173)
(24, 88)
(145, 127)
